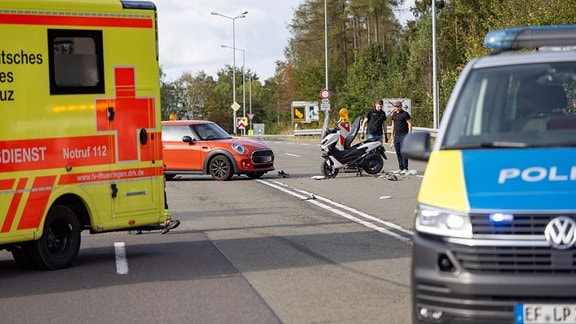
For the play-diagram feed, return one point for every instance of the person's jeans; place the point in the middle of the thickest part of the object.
(373, 138)
(402, 161)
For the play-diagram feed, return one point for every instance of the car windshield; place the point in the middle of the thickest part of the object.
(530, 105)
(210, 131)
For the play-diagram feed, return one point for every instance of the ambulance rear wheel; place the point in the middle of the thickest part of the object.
(60, 241)
(328, 169)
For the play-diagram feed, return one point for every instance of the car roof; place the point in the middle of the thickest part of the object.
(184, 122)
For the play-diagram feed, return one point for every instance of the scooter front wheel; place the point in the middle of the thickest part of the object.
(328, 169)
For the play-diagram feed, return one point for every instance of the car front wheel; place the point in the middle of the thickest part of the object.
(220, 168)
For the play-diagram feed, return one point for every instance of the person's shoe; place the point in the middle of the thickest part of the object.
(396, 171)
(172, 225)
(403, 172)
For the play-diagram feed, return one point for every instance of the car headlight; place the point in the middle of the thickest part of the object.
(443, 222)
(239, 148)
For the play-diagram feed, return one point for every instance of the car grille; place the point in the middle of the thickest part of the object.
(523, 224)
(263, 158)
(514, 259)
(524, 258)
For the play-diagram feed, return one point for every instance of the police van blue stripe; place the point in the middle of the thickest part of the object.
(520, 179)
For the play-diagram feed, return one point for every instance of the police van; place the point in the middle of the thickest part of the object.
(80, 133)
(496, 217)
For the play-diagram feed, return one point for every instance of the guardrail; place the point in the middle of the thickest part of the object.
(317, 132)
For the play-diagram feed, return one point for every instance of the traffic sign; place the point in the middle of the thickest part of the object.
(324, 93)
(251, 115)
(235, 106)
(241, 122)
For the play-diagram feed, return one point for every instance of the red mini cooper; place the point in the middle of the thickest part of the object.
(203, 147)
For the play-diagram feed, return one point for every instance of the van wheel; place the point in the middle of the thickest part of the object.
(220, 168)
(60, 241)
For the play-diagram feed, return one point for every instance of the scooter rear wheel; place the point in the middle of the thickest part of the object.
(374, 165)
(328, 169)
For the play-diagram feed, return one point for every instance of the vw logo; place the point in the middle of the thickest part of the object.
(561, 232)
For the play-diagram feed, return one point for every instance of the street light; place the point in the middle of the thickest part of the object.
(242, 15)
(243, 77)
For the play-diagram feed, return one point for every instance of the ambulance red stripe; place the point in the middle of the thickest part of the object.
(6, 184)
(47, 153)
(36, 203)
(11, 213)
(55, 20)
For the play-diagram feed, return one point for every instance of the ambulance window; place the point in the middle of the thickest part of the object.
(76, 62)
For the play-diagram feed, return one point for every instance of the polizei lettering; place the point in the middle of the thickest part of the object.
(535, 174)
(22, 154)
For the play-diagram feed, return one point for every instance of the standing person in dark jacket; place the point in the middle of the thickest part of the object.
(401, 125)
(375, 123)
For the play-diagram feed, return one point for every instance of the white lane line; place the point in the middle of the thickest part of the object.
(295, 155)
(121, 260)
(381, 229)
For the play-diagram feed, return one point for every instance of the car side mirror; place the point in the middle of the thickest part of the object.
(188, 139)
(416, 146)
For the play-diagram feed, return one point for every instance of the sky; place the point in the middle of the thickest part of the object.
(190, 37)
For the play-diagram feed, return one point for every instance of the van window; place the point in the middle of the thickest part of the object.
(515, 106)
(76, 61)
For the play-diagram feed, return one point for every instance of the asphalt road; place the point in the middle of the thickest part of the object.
(276, 250)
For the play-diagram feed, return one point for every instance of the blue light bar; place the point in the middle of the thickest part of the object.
(531, 37)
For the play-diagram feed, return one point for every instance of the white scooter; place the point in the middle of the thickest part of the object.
(366, 156)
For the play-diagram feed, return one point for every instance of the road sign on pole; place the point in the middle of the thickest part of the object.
(325, 105)
(235, 106)
(241, 122)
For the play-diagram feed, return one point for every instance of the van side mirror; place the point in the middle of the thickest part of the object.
(416, 146)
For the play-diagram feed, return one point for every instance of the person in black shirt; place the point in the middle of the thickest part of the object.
(375, 123)
(401, 125)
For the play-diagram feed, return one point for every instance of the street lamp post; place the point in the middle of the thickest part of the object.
(243, 77)
(242, 15)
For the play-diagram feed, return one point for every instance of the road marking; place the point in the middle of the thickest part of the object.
(295, 155)
(121, 260)
(375, 223)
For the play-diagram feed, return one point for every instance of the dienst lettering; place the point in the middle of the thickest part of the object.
(23, 155)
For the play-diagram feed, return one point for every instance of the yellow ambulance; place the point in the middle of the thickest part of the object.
(80, 133)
